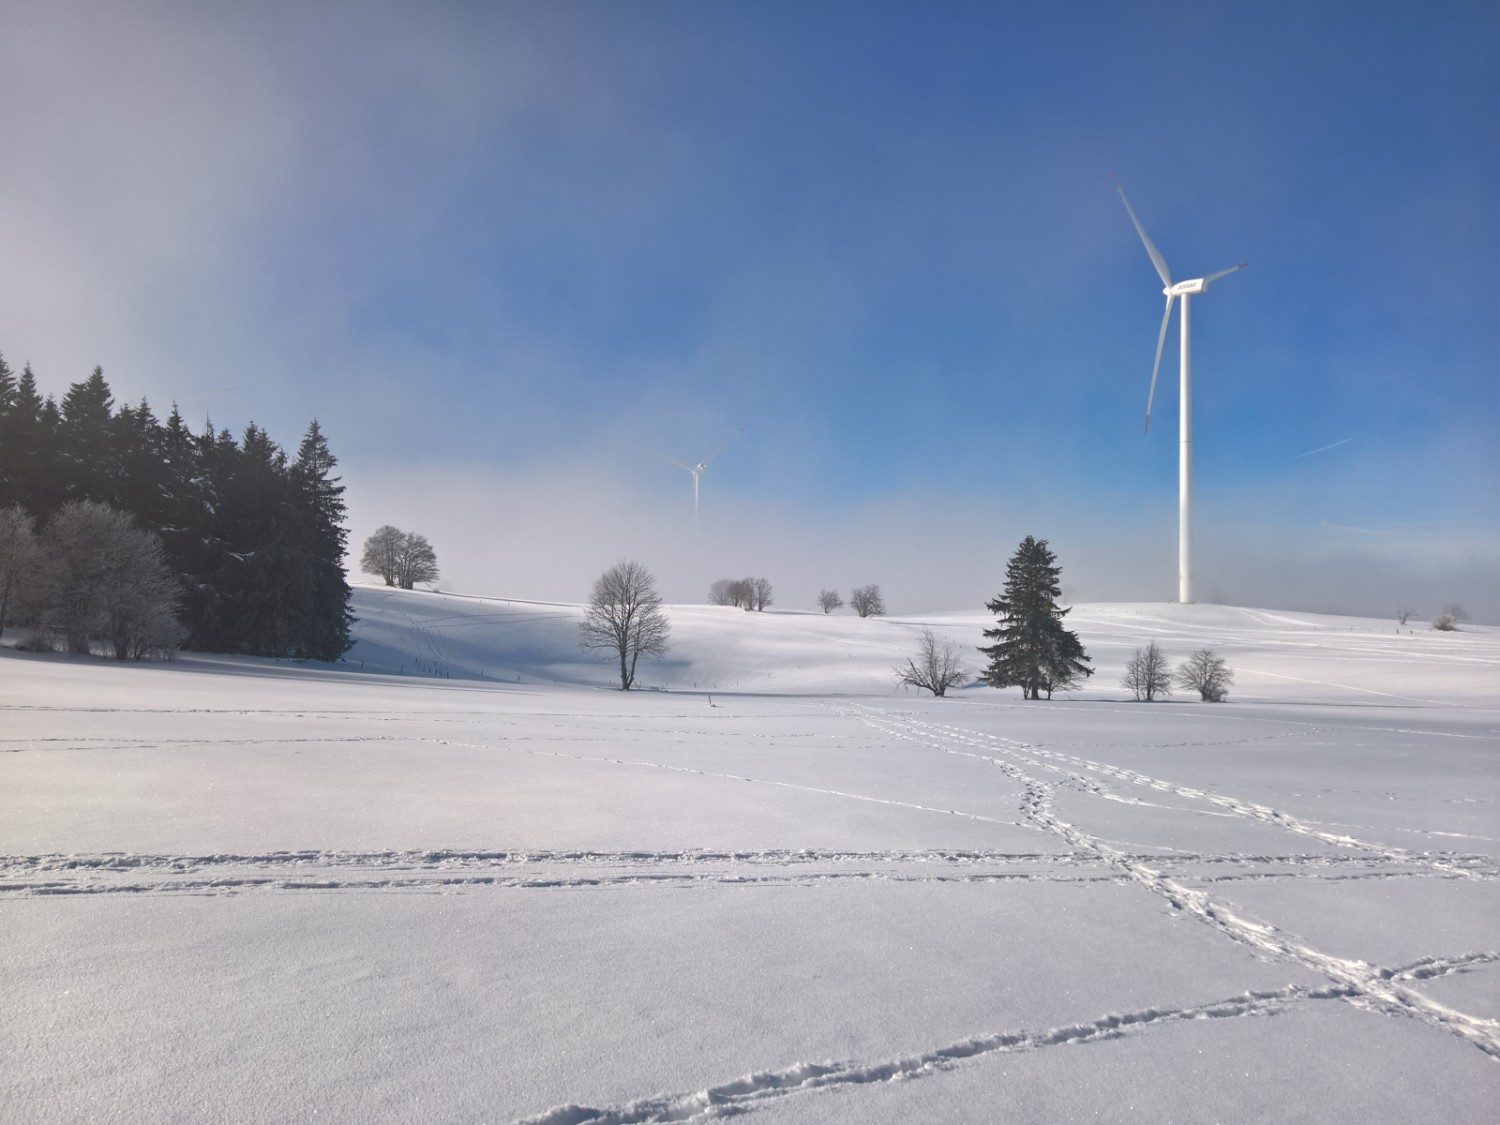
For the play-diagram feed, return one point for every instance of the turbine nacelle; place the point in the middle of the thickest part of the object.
(1198, 284)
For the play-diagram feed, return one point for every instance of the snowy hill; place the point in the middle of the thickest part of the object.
(455, 878)
(1276, 655)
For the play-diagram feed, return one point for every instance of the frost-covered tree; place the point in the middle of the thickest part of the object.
(1206, 673)
(1032, 649)
(1147, 673)
(866, 601)
(829, 600)
(256, 540)
(104, 578)
(18, 558)
(624, 619)
(1448, 618)
(935, 667)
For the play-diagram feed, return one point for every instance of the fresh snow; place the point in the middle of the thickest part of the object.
(459, 878)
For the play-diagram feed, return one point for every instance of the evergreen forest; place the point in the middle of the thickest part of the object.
(255, 537)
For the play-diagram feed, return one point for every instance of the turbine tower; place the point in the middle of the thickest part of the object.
(1173, 290)
(698, 469)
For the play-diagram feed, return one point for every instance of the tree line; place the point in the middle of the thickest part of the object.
(1032, 650)
(253, 539)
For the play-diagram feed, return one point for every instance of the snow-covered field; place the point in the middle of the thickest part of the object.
(460, 880)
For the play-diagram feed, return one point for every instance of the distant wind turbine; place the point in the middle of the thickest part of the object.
(1173, 290)
(698, 469)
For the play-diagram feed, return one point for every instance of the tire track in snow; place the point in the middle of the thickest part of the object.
(1369, 987)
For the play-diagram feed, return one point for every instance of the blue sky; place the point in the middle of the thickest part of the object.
(503, 251)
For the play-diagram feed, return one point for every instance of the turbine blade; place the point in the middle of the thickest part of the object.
(664, 457)
(1161, 338)
(1222, 273)
(1156, 259)
(704, 463)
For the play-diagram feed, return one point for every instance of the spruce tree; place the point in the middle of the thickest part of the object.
(43, 490)
(1033, 651)
(257, 542)
(7, 387)
(199, 545)
(85, 446)
(9, 485)
(21, 445)
(140, 466)
(322, 633)
(259, 588)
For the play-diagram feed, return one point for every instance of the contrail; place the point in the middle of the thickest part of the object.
(1323, 449)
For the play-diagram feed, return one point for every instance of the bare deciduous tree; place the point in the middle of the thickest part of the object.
(738, 592)
(866, 601)
(1147, 673)
(624, 618)
(1206, 673)
(745, 593)
(1404, 614)
(18, 558)
(935, 667)
(418, 562)
(400, 558)
(760, 593)
(382, 553)
(829, 600)
(102, 577)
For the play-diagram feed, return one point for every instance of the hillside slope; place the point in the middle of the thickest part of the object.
(1276, 656)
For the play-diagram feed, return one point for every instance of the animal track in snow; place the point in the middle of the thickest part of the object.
(744, 1094)
(1369, 989)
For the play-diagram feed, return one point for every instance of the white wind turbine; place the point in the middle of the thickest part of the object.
(1173, 290)
(698, 469)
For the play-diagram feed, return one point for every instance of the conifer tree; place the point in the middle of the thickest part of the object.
(1033, 651)
(140, 467)
(323, 631)
(21, 443)
(85, 449)
(7, 387)
(9, 493)
(257, 527)
(257, 542)
(44, 490)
